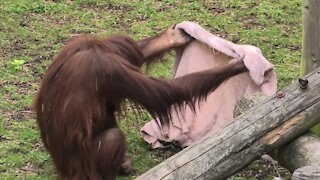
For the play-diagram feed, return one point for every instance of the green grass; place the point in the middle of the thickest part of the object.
(33, 31)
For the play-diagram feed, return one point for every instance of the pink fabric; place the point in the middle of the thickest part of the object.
(205, 52)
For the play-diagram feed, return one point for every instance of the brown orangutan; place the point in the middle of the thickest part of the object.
(87, 84)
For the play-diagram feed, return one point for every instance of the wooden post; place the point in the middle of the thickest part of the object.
(259, 130)
(311, 40)
(305, 150)
(311, 36)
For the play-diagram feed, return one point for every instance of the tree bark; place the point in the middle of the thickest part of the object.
(259, 130)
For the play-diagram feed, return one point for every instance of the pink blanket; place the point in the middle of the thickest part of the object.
(207, 51)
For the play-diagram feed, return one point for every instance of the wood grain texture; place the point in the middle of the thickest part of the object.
(259, 130)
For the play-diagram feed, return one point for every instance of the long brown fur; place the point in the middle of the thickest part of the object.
(86, 84)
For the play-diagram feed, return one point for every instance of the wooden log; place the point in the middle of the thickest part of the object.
(306, 173)
(261, 129)
(303, 151)
(311, 40)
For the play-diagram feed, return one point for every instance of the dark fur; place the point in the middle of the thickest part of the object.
(84, 87)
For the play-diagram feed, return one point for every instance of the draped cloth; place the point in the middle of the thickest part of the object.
(207, 51)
